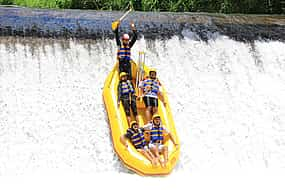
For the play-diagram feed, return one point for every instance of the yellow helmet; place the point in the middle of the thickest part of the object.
(123, 74)
(155, 116)
(152, 70)
(132, 123)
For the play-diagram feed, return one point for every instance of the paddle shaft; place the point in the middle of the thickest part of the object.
(124, 15)
(116, 23)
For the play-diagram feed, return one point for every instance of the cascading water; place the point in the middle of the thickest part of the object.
(227, 99)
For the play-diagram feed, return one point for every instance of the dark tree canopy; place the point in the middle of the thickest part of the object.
(212, 6)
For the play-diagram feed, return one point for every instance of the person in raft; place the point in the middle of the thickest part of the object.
(136, 135)
(124, 49)
(150, 89)
(126, 95)
(156, 139)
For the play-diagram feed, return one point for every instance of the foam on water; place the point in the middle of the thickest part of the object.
(226, 98)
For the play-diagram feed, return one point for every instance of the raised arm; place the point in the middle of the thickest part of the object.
(134, 38)
(118, 41)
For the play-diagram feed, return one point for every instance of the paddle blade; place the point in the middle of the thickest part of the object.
(115, 25)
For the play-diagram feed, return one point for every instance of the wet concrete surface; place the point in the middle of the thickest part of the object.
(17, 21)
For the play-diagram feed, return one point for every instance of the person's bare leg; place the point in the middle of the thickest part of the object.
(129, 119)
(143, 152)
(154, 110)
(155, 151)
(165, 155)
(148, 113)
(155, 160)
(137, 118)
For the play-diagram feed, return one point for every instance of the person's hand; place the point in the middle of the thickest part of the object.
(118, 103)
(164, 103)
(148, 88)
(132, 25)
(176, 145)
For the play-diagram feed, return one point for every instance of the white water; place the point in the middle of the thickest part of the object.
(227, 99)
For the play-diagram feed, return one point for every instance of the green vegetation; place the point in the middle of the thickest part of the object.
(218, 6)
(38, 3)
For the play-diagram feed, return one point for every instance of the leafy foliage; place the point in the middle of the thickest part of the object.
(215, 6)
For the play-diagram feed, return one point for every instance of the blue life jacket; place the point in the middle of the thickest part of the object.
(124, 52)
(151, 87)
(126, 88)
(137, 138)
(156, 134)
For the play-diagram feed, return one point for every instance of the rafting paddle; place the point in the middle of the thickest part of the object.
(116, 23)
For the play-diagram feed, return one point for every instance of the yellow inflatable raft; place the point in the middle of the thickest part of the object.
(130, 157)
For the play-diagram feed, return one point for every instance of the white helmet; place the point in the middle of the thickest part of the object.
(126, 37)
